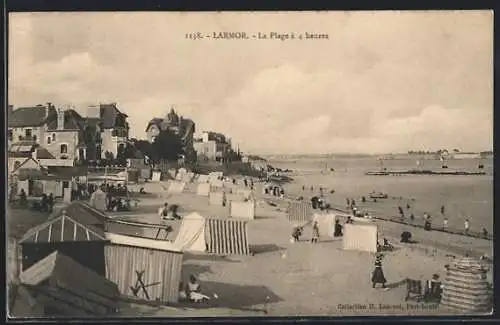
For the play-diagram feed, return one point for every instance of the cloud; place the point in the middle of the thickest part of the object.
(382, 82)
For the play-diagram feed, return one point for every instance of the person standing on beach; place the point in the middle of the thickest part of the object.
(303, 188)
(466, 226)
(348, 202)
(445, 223)
(442, 210)
(312, 188)
(315, 234)
(378, 273)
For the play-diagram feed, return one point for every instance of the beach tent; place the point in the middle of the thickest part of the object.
(299, 212)
(203, 189)
(326, 223)
(146, 268)
(466, 287)
(216, 198)
(243, 210)
(360, 237)
(214, 236)
(216, 183)
(245, 192)
(203, 178)
(191, 236)
(98, 200)
(156, 176)
(176, 187)
(188, 177)
(238, 197)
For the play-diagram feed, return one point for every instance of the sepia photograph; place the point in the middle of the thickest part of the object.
(249, 164)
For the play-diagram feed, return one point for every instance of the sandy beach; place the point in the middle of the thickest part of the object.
(303, 278)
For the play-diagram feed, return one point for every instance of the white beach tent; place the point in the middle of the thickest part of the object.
(203, 178)
(191, 236)
(243, 210)
(360, 237)
(203, 189)
(176, 187)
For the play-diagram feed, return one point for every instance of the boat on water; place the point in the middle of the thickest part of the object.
(419, 171)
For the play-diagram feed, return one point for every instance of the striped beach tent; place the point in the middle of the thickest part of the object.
(299, 211)
(466, 287)
(227, 237)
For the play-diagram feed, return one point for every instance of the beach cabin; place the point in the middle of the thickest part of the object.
(216, 198)
(66, 288)
(466, 287)
(242, 209)
(203, 189)
(299, 212)
(67, 233)
(214, 236)
(360, 237)
(176, 187)
(144, 268)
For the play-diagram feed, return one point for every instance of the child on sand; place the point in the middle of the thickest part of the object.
(315, 235)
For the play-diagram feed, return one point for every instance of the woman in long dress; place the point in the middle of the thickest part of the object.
(315, 234)
(378, 273)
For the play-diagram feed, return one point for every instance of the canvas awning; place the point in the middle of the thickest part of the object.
(63, 229)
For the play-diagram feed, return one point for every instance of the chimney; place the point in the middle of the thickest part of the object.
(94, 111)
(47, 109)
(60, 119)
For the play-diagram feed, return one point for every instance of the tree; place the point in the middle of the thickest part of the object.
(167, 145)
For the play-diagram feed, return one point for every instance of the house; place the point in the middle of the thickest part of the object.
(60, 132)
(212, 146)
(108, 129)
(182, 127)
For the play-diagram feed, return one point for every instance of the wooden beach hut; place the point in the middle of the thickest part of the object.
(66, 288)
(69, 235)
(465, 286)
(299, 212)
(144, 268)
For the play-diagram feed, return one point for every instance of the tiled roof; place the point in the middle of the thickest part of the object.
(154, 121)
(29, 116)
(23, 149)
(72, 121)
(108, 115)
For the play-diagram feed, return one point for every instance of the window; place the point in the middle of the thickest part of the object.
(34, 138)
(28, 133)
(64, 148)
(114, 133)
(53, 137)
(20, 138)
(10, 135)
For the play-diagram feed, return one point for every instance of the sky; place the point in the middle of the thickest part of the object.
(382, 82)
